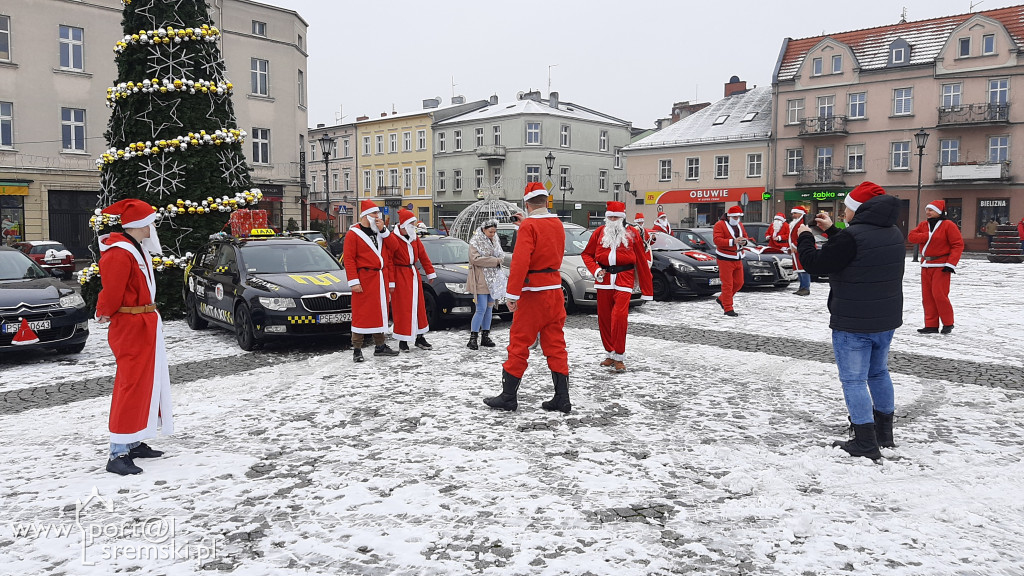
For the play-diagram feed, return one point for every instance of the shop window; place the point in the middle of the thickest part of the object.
(990, 209)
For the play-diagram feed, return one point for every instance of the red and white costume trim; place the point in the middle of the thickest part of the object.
(409, 314)
(367, 265)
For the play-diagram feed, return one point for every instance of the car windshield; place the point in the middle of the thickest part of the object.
(17, 266)
(576, 240)
(287, 258)
(668, 242)
(699, 241)
(447, 251)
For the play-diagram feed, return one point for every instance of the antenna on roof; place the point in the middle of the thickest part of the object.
(453, 87)
(549, 76)
(973, 4)
(903, 16)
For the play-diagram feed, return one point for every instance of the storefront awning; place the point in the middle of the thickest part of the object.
(318, 214)
(14, 187)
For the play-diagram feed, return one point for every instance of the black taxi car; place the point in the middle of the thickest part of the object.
(265, 287)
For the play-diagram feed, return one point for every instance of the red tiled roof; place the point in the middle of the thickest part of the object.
(926, 39)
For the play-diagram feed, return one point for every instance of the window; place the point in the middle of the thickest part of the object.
(334, 179)
(855, 158)
(421, 139)
(259, 28)
(965, 47)
(794, 160)
(692, 168)
(749, 117)
(421, 177)
(393, 143)
(664, 170)
(261, 146)
(366, 145)
(618, 158)
(6, 124)
(478, 175)
(458, 140)
(440, 181)
(479, 137)
(302, 89)
(5, 37)
(899, 55)
(496, 131)
(837, 64)
(379, 140)
(754, 162)
(457, 175)
(380, 179)
(903, 101)
(823, 160)
(346, 148)
(720, 120)
(407, 178)
(496, 174)
(988, 44)
(260, 72)
(858, 104)
(346, 178)
(72, 46)
(312, 183)
(393, 177)
(721, 166)
(816, 67)
(533, 133)
(899, 156)
(367, 181)
(325, 181)
(951, 94)
(602, 181)
(998, 90)
(406, 141)
(602, 141)
(565, 139)
(826, 106)
(72, 124)
(998, 148)
(441, 145)
(532, 173)
(949, 151)
(298, 42)
(563, 177)
(795, 111)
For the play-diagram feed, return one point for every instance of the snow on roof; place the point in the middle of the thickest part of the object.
(420, 112)
(745, 116)
(871, 45)
(527, 106)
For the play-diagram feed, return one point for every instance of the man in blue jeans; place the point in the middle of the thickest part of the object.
(864, 263)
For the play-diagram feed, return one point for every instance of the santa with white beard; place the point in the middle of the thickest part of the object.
(662, 224)
(615, 255)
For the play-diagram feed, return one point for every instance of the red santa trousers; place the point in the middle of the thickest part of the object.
(613, 320)
(540, 312)
(731, 273)
(935, 297)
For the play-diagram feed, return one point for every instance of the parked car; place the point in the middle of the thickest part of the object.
(679, 269)
(758, 269)
(267, 287)
(447, 296)
(311, 235)
(55, 312)
(49, 255)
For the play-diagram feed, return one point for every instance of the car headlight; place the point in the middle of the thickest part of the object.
(760, 264)
(786, 263)
(682, 267)
(456, 287)
(277, 303)
(72, 301)
(708, 268)
(584, 273)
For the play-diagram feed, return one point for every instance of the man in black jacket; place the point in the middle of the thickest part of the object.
(864, 263)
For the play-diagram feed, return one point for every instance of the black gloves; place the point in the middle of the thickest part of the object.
(948, 270)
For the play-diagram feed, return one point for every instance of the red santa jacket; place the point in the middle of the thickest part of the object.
(537, 257)
(632, 256)
(940, 246)
(407, 308)
(645, 236)
(725, 240)
(794, 234)
(778, 240)
(367, 265)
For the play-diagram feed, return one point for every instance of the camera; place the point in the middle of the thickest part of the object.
(809, 220)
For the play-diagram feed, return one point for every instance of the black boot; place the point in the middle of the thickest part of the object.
(123, 465)
(472, 342)
(561, 400)
(357, 355)
(864, 442)
(883, 429)
(422, 343)
(947, 329)
(144, 451)
(403, 346)
(928, 330)
(384, 350)
(509, 387)
(485, 339)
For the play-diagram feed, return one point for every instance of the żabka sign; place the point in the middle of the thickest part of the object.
(709, 195)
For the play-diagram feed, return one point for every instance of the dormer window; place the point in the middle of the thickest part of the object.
(816, 67)
(899, 55)
(965, 47)
(988, 44)
(837, 64)
(720, 120)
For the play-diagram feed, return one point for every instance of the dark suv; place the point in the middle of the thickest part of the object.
(758, 269)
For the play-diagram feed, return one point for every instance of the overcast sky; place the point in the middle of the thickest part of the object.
(629, 58)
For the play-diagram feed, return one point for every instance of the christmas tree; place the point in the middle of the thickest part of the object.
(173, 139)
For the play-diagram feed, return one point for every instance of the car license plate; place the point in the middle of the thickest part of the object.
(13, 327)
(333, 318)
(714, 281)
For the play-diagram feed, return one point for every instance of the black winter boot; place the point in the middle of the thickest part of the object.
(485, 339)
(357, 355)
(864, 442)
(883, 429)
(507, 399)
(560, 401)
(422, 343)
(384, 350)
(403, 346)
(472, 342)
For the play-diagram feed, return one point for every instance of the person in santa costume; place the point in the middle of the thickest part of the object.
(661, 224)
(645, 237)
(366, 265)
(408, 312)
(730, 239)
(797, 214)
(941, 247)
(534, 295)
(777, 235)
(615, 256)
(141, 403)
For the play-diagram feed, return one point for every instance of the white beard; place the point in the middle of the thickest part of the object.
(734, 221)
(373, 226)
(776, 226)
(614, 235)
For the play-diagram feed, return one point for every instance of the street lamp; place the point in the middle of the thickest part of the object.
(922, 140)
(566, 188)
(327, 148)
(625, 186)
(550, 161)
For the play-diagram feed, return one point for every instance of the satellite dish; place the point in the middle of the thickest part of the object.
(519, 95)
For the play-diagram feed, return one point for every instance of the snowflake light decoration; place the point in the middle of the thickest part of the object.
(163, 175)
(234, 169)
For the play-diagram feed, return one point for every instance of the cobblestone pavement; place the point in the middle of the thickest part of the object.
(921, 365)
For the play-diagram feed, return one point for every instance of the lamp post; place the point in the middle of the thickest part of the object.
(327, 148)
(922, 140)
(567, 188)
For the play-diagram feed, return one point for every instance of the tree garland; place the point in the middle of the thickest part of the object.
(223, 204)
(160, 263)
(126, 89)
(167, 36)
(228, 136)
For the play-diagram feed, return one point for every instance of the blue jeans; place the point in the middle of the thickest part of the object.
(863, 362)
(118, 450)
(482, 315)
(805, 280)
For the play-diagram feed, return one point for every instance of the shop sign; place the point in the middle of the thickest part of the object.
(992, 203)
(9, 189)
(702, 195)
(819, 195)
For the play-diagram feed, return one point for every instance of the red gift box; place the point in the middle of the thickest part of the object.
(245, 221)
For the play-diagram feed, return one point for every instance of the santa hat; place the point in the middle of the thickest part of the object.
(615, 209)
(662, 216)
(937, 205)
(367, 207)
(801, 210)
(639, 217)
(534, 189)
(134, 213)
(734, 211)
(405, 217)
(25, 335)
(780, 217)
(861, 194)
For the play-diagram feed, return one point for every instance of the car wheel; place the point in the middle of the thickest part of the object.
(661, 290)
(76, 349)
(567, 300)
(430, 304)
(245, 333)
(192, 317)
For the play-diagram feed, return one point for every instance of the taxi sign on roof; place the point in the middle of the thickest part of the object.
(262, 232)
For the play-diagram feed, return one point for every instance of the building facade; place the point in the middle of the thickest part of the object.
(849, 107)
(55, 66)
(332, 184)
(499, 148)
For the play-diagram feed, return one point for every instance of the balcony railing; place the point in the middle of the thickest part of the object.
(976, 171)
(826, 175)
(823, 126)
(492, 152)
(974, 114)
(389, 191)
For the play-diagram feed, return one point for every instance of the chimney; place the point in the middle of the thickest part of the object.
(532, 95)
(735, 86)
(458, 100)
(553, 100)
(431, 103)
(361, 118)
(383, 114)
(683, 109)
(321, 125)
(493, 99)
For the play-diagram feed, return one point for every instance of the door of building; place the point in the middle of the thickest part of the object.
(70, 211)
